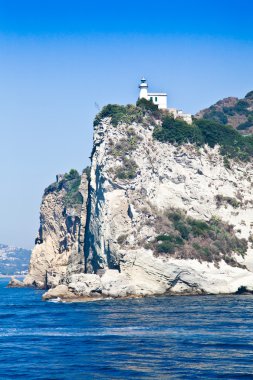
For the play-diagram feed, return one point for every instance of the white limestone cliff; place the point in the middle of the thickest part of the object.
(183, 177)
(124, 216)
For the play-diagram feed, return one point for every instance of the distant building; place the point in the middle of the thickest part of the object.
(160, 99)
(179, 114)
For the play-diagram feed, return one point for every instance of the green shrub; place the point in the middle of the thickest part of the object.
(229, 111)
(120, 114)
(51, 188)
(71, 185)
(73, 198)
(175, 215)
(150, 107)
(115, 111)
(164, 238)
(214, 133)
(128, 170)
(183, 229)
(177, 131)
(87, 172)
(205, 253)
(178, 220)
(249, 95)
(177, 240)
(246, 125)
(73, 174)
(226, 162)
(242, 107)
(217, 116)
(251, 240)
(221, 200)
(166, 247)
(70, 182)
(122, 238)
(146, 104)
(198, 227)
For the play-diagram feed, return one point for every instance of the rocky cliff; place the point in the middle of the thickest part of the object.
(157, 218)
(60, 242)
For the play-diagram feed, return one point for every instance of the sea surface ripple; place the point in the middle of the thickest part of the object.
(199, 337)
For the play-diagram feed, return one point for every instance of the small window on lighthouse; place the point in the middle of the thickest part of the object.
(156, 98)
(151, 98)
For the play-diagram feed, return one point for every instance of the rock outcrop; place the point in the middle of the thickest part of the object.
(126, 238)
(60, 242)
(15, 283)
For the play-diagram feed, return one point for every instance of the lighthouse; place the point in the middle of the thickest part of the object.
(158, 98)
(143, 86)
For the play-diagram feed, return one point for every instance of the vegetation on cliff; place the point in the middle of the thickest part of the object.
(70, 182)
(176, 131)
(124, 151)
(120, 114)
(125, 145)
(184, 237)
(127, 170)
(233, 144)
(129, 114)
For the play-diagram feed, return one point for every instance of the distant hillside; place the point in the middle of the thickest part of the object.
(232, 111)
(13, 260)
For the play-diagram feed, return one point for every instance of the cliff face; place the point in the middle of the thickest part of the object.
(60, 242)
(132, 189)
(155, 218)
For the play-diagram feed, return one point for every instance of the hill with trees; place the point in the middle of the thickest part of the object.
(232, 111)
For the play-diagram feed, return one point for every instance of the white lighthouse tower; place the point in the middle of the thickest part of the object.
(143, 86)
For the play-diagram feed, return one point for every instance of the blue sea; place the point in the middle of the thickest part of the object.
(199, 337)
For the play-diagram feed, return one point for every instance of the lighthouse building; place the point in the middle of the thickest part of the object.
(160, 99)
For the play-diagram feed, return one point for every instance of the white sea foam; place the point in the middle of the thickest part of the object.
(55, 300)
(117, 331)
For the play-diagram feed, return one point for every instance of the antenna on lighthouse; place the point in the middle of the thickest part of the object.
(97, 106)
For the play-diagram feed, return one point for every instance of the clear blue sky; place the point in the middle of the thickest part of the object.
(59, 57)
